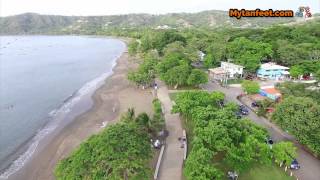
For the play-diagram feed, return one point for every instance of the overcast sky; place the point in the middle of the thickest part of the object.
(108, 7)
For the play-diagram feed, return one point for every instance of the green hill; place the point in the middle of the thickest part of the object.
(31, 23)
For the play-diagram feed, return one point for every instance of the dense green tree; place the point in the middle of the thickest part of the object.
(309, 66)
(250, 87)
(140, 78)
(215, 136)
(200, 116)
(210, 61)
(218, 49)
(300, 116)
(317, 75)
(298, 90)
(121, 151)
(169, 61)
(177, 75)
(188, 100)
(197, 77)
(143, 120)
(146, 72)
(248, 53)
(148, 41)
(289, 54)
(159, 39)
(215, 130)
(198, 166)
(188, 52)
(296, 71)
(176, 47)
(247, 153)
(133, 47)
(284, 152)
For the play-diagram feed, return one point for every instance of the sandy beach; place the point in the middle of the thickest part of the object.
(110, 100)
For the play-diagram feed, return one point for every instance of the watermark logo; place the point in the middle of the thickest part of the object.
(303, 11)
(237, 13)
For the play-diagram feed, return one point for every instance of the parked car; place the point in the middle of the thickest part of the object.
(255, 104)
(270, 110)
(263, 79)
(243, 110)
(238, 115)
(294, 164)
(269, 141)
(156, 143)
(249, 77)
(306, 77)
(221, 103)
(233, 175)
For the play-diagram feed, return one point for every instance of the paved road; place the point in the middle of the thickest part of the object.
(310, 166)
(171, 166)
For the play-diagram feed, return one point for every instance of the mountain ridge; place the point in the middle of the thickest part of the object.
(33, 23)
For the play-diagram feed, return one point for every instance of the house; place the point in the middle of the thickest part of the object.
(217, 73)
(270, 92)
(272, 71)
(233, 70)
(226, 71)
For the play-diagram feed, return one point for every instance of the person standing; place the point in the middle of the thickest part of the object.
(155, 89)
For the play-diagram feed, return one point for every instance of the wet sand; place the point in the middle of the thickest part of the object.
(110, 100)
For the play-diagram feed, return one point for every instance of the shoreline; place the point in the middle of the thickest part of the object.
(109, 100)
(72, 106)
(81, 96)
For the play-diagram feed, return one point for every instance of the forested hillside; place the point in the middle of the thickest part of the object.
(31, 23)
(293, 46)
(171, 55)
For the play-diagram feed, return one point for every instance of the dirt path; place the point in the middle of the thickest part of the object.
(171, 167)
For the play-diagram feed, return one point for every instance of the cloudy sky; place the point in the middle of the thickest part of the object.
(108, 7)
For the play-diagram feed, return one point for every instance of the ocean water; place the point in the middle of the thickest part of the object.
(41, 78)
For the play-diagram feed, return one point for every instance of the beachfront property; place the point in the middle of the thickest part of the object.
(273, 71)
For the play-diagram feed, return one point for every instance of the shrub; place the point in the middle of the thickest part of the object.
(250, 87)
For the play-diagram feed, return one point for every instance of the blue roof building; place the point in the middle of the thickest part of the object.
(272, 71)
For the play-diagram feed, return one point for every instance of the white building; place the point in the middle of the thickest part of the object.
(232, 69)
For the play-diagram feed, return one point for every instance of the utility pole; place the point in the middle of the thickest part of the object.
(225, 79)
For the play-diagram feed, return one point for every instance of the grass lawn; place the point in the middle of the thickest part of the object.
(262, 172)
(184, 88)
(257, 172)
(234, 81)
